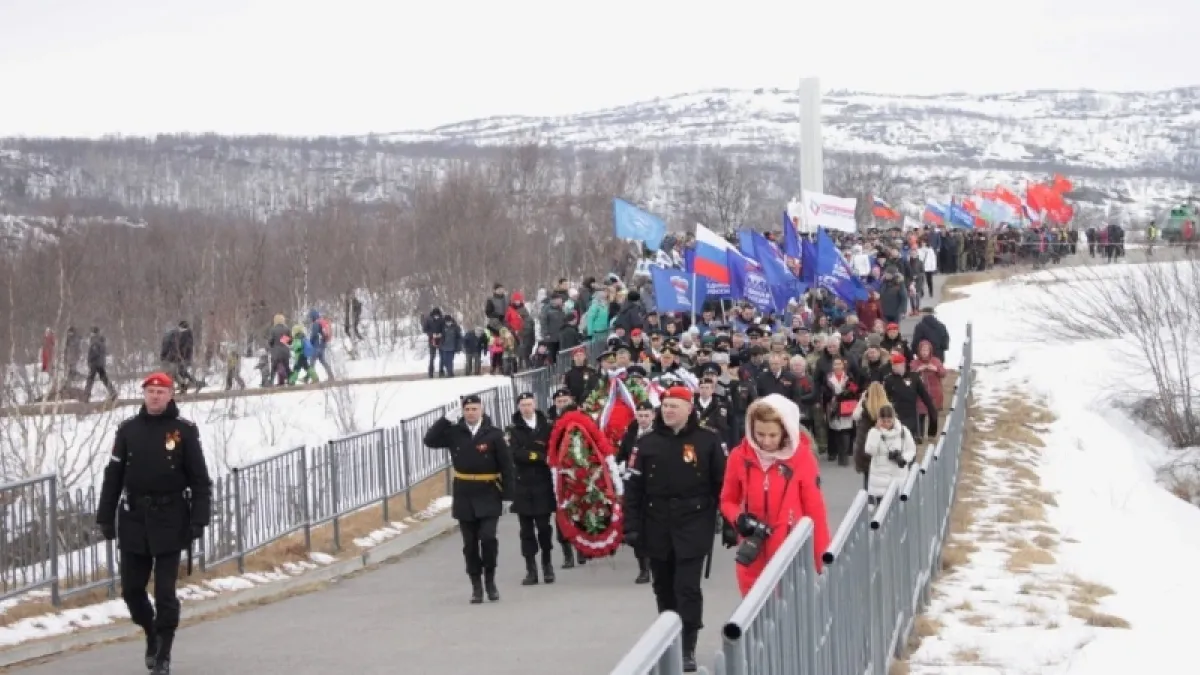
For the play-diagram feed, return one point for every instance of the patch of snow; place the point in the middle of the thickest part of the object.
(1117, 525)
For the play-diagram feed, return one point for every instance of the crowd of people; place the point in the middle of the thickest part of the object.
(742, 399)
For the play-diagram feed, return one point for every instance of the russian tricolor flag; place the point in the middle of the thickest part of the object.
(711, 255)
(884, 211)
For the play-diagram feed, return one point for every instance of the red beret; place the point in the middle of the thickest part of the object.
(898, 358)
(158, 380)
(682, 393)
(893, 326)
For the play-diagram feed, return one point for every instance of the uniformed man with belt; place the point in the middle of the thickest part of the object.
(482, 470)
(156, 500)
(675, 477)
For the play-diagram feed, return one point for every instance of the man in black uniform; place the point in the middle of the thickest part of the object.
(671, 498)
(563, 401)
(712, 410)
(482, 470)
(533, 492)
(642, 424)
(156, 461)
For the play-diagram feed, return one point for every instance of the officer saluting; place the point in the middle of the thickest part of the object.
(482, 470)
(671, 497)
(156, 458)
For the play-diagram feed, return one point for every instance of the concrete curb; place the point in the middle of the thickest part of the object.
(90, 637)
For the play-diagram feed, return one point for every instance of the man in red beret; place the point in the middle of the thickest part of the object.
(156, 500)
(904, 389)
(675, 476)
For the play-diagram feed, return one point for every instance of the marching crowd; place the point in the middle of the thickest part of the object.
(743, 399)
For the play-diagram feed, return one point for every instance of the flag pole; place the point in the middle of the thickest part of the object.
(693, 298)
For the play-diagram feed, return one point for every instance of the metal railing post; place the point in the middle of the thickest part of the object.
(335, 494)
(52, 532)
(381, 450)
(305, 499)
(406, 466)
(239, 537)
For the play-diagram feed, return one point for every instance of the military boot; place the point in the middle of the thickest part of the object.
(161, 667)
(162, 660)
(568, 557)
(151, 648)
(689, 649)
(547, 567)
(489, 584)
(643, 576)
(531, 577)
(476, 589)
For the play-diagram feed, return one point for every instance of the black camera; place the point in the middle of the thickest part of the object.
(754, 533)
(897, 458)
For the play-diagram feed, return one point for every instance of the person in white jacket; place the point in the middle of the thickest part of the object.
(929, 262)
(861, 262)
(891, 448)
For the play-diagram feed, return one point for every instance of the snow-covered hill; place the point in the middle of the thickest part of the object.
(1137, 131)
(1139, 151)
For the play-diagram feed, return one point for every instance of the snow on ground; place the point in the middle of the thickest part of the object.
(1071, 535)
(90, 616)
(237, 431)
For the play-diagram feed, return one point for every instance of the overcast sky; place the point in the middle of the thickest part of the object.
(91, 67)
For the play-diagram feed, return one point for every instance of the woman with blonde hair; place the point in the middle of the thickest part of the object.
(864, 418)
(771, 482)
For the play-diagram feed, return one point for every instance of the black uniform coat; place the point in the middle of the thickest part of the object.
(581, 381)
(484, 453)
(155, 458)
(903, 391)
(533, 490)
(673, 489)
(715, 417)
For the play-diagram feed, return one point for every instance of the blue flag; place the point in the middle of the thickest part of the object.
(959, 217)
(834, 273)
(676, 291)
(808, 261)
(791, 238)
(747, 282)
(630, 222)
(770, 260)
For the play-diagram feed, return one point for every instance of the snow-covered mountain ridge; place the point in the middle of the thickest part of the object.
(1156, 131)
(1135, 151)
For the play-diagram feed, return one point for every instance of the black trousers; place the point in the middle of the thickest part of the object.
(135, 574)
(677, 588)
(480, 546)
(536, 534)
(841, 443)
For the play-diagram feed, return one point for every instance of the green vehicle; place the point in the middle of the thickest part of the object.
(1171, 224)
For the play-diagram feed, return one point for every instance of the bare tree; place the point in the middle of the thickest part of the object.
(720, 193)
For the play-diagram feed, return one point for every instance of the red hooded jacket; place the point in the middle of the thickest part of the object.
(771, 496)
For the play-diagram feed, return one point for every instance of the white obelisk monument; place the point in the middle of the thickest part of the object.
(812, 163)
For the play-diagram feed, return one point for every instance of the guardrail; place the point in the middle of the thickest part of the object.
(49, 540)
(852, 618)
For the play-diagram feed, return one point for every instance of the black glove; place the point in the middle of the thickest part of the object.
(197, 532)
(729, 537)
(896, 458)
(932, 431)
(631, 538)
(746, 524)
(109, 531)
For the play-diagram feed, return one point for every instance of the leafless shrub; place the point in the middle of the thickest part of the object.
(1152, 312)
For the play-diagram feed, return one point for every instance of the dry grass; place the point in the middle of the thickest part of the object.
(977, 620)
(1097, 619)
(967, 656)
(952, 283)
(290, 549)
(1025, 556)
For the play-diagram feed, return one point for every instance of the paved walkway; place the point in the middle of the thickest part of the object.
(413, 617)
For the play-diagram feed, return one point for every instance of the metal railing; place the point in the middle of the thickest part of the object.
(854, 616)
(49, 540)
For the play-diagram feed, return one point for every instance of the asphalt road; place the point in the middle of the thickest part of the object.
(413, 617)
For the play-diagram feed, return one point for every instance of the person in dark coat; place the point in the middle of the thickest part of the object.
(533, 491)
(450, 344)
(432, 325)
(97, 363)
(642, 424)
(930, 328)
(581, 379)
(482, 469)
(712, 410)
(496, 304)
(474, 343)
(675, 477)
(904, 389)
(156, 499)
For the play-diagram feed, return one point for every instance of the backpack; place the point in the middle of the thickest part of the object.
(326, 331)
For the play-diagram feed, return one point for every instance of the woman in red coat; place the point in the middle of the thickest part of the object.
(931, 371)
(771, 476)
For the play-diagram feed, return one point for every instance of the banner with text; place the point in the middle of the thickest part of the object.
(829, 212)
